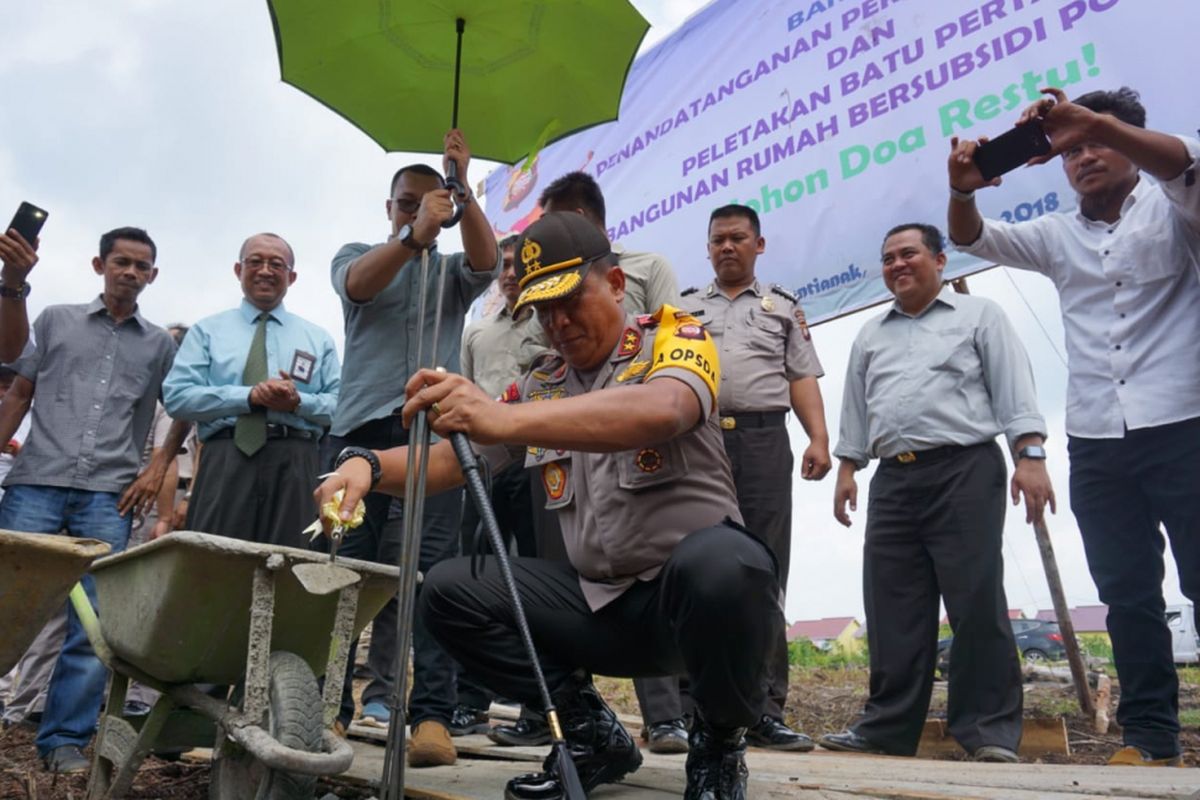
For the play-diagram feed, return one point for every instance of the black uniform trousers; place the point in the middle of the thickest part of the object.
(709, 614)
(1121, 490)
(760, 455)
(512, 501)
(263, 498)
(935, 527)
(379, 539)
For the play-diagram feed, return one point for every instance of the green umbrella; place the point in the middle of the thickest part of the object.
(532, 71)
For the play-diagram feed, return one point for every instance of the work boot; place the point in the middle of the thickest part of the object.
(430, 745)
(716, 763)
(522, 733)
(603, 751)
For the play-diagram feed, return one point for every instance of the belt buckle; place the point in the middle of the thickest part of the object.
(907, 457)
(728, 423)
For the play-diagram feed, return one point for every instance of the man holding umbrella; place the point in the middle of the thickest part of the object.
(380, 290)
(622, 430)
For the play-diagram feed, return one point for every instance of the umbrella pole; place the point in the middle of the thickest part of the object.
(460, 25)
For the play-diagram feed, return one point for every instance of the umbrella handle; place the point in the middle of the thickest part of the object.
(456, 190)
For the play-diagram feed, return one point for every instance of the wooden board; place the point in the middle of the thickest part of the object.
(1039, 737)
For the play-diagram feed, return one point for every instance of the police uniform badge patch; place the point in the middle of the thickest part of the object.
(554, 480)
(648, 460)
(634, 369)
(689, 330)
(767, 304)
(801, 323)
(511, 394)
(692, 350)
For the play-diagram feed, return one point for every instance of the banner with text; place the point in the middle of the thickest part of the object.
(833, 119)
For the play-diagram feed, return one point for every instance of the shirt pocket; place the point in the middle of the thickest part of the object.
(651, 466)
(766, 332)
(954, 351)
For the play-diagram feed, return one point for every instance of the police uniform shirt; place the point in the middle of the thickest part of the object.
(622, 514)
(649, 281)
(763, 344)
(954, 374)
(499, 348)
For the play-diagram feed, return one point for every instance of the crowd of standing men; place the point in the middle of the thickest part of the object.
(640, 459)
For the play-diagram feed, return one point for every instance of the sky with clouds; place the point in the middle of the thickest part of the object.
(171, 116)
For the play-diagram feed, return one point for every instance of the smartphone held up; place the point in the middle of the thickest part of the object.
(1011, 149)
(28, 222)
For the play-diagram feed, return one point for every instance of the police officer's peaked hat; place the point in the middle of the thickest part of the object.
(553, 255)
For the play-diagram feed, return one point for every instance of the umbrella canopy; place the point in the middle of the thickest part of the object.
(532, 71)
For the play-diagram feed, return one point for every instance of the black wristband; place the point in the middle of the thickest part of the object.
(361, 452)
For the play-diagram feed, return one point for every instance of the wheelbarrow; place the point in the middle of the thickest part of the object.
(37, 570)
(194, 608)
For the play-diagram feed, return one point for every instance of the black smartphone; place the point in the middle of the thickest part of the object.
(1011, 149)
(28, 222)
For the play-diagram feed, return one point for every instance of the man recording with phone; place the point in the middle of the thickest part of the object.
(1125, 266)
(18, 253)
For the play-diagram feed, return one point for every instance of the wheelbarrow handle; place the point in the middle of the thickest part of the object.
(457, 190)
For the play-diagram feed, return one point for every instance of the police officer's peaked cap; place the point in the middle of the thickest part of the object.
(553, 255)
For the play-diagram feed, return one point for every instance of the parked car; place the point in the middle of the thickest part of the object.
(1037, 641)
(1185, 642)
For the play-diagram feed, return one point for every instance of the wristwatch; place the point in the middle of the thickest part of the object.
(1034, 451)
(15, 292)
(361, 452)
(405, 235)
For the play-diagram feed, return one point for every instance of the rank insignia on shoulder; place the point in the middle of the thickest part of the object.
(689, 290)
(635, 369)
(631, 342)
(782, 292)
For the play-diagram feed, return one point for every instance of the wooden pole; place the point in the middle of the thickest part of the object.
(1065, 625)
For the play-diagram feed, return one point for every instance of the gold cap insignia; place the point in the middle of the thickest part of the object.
(531, 253)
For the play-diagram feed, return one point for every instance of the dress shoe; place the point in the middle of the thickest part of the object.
(996, 754)
(670, 736)
(66, 759)
(603, 751)
(522, 733)
(716, 763)
(773, 734)
(1130, 756)
(849, 742)
(466, 721)
(430, 745)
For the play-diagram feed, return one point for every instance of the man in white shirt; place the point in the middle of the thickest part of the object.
(1125, 265)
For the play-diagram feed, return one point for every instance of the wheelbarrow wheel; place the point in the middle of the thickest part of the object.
(294, 720)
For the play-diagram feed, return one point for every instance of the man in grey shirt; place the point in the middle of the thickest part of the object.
(929, 386)
(96, 370)
(380, 288)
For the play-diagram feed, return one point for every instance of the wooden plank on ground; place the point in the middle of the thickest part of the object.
(1039, 737)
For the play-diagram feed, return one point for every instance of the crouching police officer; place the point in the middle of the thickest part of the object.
(622, 431)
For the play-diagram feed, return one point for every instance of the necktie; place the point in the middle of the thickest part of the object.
(250, 431)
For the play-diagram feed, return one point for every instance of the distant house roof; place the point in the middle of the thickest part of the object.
(1086, 619)
(819, 629)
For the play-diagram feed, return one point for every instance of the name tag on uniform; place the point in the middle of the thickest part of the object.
(302, 366)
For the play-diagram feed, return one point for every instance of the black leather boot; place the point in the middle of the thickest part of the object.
(603, 751)
(716, 763)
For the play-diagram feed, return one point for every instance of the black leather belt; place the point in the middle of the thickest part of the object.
(929, 456)
(753, 419)
(273, 432)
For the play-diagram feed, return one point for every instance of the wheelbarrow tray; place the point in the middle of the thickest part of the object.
(37, 570)
(178, 608)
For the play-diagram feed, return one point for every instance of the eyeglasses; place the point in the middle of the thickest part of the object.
(406, 206)
(274, 264)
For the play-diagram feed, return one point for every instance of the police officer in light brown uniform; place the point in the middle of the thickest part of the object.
(622, 431)
(768, 367)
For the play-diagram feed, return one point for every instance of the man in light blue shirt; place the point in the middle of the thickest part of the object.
(262, 384)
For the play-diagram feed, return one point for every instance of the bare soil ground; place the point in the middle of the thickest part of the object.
(820, 700)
